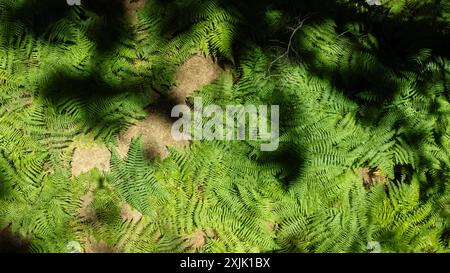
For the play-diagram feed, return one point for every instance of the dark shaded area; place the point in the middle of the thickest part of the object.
(31, 14)
(290, 156)
(109, 28)
(398, 39)
(11, 242)
(108, 32)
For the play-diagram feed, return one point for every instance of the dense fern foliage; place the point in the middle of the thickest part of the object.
(363, 91)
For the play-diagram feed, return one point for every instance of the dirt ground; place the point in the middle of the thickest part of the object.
(155, 130)
(372, 177)
(129, 214)
(85, 212)
(196, 240)
(88, 214)
(195, 73)
(87, 158)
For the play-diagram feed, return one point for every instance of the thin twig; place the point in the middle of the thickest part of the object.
(343, 33)
(289, 45)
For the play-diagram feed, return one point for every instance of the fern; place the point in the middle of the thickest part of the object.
(364, 135)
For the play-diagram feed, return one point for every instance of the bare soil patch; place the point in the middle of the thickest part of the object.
(195, 240)
(155, 130)
(85, 212)
(192, 75)
(372, 177)
(86, 158)
(130, 214)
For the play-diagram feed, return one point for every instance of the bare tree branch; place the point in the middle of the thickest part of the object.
(289, 45)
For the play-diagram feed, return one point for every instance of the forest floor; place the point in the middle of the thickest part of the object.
(155, 131)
